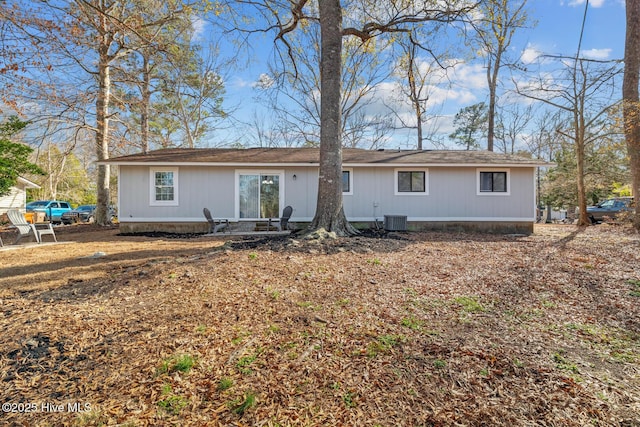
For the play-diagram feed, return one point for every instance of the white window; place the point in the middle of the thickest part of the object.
(412, 182)
(493, 182)
(347, 182)
(164, 187)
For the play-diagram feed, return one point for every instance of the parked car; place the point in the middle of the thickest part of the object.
(83, 213)
(609, 208)
(52, 209)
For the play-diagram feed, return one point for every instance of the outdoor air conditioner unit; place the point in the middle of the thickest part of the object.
(395, 222)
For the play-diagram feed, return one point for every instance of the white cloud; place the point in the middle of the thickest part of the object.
(593, 3)
(198, 24)
(265, 81)
(530, 54)
(596, 53)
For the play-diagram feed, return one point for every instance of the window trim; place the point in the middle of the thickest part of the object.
(152, 187)
(281, 192)
(493, 193)
(411, 193)
(350, 192)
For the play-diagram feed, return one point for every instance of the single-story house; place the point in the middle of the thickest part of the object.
(166, 190)
(17, 197)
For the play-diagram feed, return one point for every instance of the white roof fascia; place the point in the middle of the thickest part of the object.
(27, 183)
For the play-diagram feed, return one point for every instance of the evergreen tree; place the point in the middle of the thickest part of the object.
(14, 156)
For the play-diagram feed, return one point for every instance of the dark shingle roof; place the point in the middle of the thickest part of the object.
(302, 156)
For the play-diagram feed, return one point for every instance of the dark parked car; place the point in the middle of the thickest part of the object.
(83, 213)
(609, 208)
(52, 209)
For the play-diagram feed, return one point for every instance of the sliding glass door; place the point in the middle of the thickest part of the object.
(259, 195)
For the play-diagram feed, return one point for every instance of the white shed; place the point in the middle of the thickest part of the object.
(17, 198)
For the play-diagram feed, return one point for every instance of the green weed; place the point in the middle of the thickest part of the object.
(172, 403)
(348, 399)
(564, 364)
(305, 304)
(243, 364)
(439, 364)
(182, 363)
(635, 290)
(384, 344)
(411, 322)
(469, 304)
(343, 302)
(240, 406)
(225, 384)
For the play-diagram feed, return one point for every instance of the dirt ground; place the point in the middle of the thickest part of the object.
(402, 329)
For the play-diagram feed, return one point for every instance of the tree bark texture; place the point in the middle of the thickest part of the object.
(102, 128)
(329, 211)
(631, 100)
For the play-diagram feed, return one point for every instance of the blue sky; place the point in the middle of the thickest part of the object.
(557, 33)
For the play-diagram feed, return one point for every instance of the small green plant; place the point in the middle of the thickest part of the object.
(469, 304)
(383, 344)
(548, 304)
(201, 329)
(305, 304)
(225, 384)
(343, 302)
(348, 399)
(635, 290)
(172, 403)
(274, 294)
(411, 322)
(253, 256)
(563, 363)
(484, 372)
(240, 406)
(243, 364)
(182, 363)
(274, 329)
(439, 364)
(375, 261)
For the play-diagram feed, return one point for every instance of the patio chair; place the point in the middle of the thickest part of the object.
(215, 224)
(25, 229)
(283, 223)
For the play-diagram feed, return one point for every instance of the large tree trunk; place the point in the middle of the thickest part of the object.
(146, 104)
(492, 80)
(413, 93)
(329, 211)
(102, 134)
(631, 100)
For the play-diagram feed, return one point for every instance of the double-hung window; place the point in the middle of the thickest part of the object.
(164, 187)
(493, 182)
(412, 181)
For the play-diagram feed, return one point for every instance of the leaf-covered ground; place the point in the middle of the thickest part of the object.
(414, 329)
